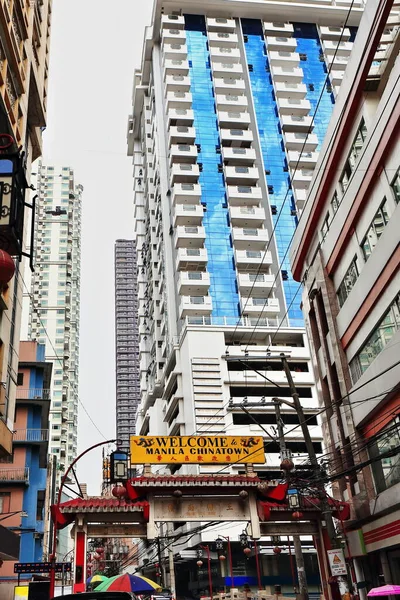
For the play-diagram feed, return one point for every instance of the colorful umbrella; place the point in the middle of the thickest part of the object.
(129, 583)
(385, 590)
(96, 579)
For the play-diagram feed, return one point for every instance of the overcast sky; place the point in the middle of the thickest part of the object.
(95, 45)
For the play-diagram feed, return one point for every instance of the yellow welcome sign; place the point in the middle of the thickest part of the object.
(223, 449)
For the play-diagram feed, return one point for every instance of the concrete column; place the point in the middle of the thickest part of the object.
(385, 567)
(360, 577)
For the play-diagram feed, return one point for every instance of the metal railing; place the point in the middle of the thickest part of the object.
(14, 474)
(31, 435)
(33, 394)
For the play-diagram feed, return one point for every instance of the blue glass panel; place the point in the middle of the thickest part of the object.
(223, 285)
(315, 73)
(274, 156)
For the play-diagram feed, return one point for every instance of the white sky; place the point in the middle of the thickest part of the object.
(95, 45)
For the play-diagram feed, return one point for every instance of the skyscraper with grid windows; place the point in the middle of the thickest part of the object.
(126, 340)
(230, 108)
(55, 299)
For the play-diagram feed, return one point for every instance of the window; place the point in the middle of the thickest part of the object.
(354, 153)
(348, 282)
(253, 254)
(325, 226)
(236, 132)
(250, 232)
(41, 495)
(5, 502)
(195, 275)
(192, 251)
(375, 230)
(196, 299)
(376, 342)
(241, 169)
(387, 470)
(20, 379)
(335, 203)
(244, 189)
(396, 186)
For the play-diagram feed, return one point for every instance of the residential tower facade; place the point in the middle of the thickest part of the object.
(126, 340)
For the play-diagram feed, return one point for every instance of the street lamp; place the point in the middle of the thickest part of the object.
(219, 544)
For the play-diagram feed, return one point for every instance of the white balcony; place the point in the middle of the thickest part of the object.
(178, 100)
(180, 116)
(342, 49)
(293, 106)
(177, 83)
(222, 39)
(300, 196)
(239, 156)
(176, 67)
(246, 238)
(227, 102)
(173, 36)
(244, 195)
(302, 159)
(233, 119)
(278, 29)
(226, 69)
(182, 135)
(281, 43)
(260, 306)
(224, 85)
(191, 259)
(236, 137)
(189, 237)
(184, 173)
(221, 24)
(290, 74)
(339, 62)
(301, 178)
(334, 33)
(295, 123)
(195, 305)
(247, 216)
(239, 174)
(249, 260)
(301, 141)
(172, 22)
(176, 51)
(186, 193)
(282, 58)
(256, 284)
(225, 55)
(290, 90)
(336, 77)
(193, 283)
(188, 214)
(183, 153)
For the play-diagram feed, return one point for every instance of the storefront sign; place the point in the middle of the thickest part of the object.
(188, 509)
(197, 449)
(337, 562)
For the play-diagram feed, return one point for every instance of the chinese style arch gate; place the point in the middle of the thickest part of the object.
(203, 498)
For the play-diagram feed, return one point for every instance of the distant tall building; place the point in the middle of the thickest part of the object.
(55, 300)
(126, 339)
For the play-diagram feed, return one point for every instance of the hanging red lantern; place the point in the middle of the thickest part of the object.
(100, 550)
(247, 551)
(277, 550)
(287, 465)
(297, 515)
(96, 556)
(119, 491)
(199, 563)
(7, 267)
(222, 557)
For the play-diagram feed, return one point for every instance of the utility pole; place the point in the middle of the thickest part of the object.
(301, 573)
(325, 508)
(172, 584)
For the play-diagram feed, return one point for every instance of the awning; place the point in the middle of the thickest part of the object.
(9, 544)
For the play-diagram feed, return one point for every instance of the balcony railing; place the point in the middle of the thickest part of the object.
(31, 435)
(33, 394)
(10, 474)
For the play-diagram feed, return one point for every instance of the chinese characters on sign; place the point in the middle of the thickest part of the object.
(223, 449)
(198, 510)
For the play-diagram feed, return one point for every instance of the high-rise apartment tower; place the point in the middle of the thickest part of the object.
(126, 339)
(55, 299)
(230, 108)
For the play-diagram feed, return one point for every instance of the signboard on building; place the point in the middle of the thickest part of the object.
(337, 562)
(41, 567)
(191, 509)
(223, 449)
